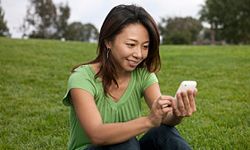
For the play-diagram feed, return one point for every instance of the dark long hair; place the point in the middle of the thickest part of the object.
(117, 19)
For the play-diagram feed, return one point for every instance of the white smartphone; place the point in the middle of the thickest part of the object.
(186, 85)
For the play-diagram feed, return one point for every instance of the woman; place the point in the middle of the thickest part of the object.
(104, 94)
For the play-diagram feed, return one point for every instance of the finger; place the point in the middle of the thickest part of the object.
(158, 105)
(195, 92)
(187, 100)
(164, 103)
(155, 106)
(186, 103)
(167, 97)
(180, 105)
(175, 109)
(167, 109)
(192, 101)
(190, 94)
(156, 110)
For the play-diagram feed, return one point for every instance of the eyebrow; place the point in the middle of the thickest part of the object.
(137, 41)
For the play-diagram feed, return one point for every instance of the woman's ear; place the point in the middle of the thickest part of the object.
(108, 44)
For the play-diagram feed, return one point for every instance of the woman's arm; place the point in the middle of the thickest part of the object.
(112, 133)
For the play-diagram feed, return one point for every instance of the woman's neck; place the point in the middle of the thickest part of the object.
(121, 75)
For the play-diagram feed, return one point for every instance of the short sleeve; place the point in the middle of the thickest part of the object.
(78, 80)
(150, 78)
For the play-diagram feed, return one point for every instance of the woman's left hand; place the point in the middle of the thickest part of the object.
(184, 105)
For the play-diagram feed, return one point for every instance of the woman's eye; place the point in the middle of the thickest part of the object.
(130, 44)
(145, 46)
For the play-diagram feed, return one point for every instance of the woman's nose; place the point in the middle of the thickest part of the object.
(138, 52)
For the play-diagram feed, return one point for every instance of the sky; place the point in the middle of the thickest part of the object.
(94, 11)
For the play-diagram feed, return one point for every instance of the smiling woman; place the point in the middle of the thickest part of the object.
(105, 94)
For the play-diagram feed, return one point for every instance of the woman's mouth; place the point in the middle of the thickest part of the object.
(133, 63)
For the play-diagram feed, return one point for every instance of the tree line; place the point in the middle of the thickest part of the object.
(46, 20)
(229, 22)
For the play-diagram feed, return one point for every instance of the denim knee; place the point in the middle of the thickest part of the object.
(162, 138)
(131, 144)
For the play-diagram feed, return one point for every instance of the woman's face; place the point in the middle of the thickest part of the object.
(130, 47)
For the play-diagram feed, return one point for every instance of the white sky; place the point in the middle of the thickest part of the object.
(94, 11)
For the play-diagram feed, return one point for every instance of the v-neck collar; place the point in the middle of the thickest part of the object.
(126, 93)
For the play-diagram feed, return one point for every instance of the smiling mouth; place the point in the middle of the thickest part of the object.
(133, 63)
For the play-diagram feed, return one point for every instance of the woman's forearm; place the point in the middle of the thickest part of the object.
(113, 133)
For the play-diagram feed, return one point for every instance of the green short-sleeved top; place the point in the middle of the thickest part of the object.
(127, 108)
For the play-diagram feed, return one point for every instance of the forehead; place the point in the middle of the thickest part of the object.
(134, 31)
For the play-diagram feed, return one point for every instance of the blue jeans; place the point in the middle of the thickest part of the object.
(160, 138)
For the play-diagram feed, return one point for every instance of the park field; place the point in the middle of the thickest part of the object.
(33, 79)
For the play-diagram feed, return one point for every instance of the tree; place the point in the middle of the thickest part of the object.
(81, 32)
(179, 30)
(42, 16)
(62, 20)
(4, 30)
(228, 19)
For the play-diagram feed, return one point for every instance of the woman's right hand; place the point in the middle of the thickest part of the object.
(159, 109)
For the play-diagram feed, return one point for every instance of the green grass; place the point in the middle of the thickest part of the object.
(33, 78)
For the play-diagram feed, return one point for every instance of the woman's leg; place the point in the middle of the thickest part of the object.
(131, 144)
(163, 138)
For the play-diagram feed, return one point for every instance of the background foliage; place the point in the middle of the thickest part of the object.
(45, 20)
(34, 73)
(4, 30)
(229, 19)
(179, 30)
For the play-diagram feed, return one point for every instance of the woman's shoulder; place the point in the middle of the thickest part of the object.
(82, 71)
(82, 68)
(142, 74)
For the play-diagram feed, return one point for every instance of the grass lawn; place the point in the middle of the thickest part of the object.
(34, 73)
